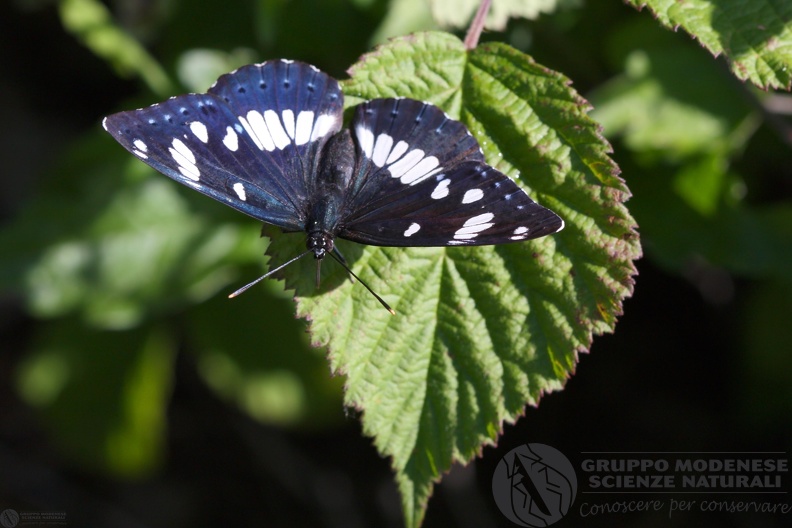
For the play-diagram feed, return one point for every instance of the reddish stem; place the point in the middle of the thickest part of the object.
(477, 26)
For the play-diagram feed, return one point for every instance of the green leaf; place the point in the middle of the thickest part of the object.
(479, 332)
(198, 69)
(404, 17)
(458, 13)
(656, 111)
(102, 395)
(689, 201)
(287, 381)
(755, 36)
(702, 183)
(113, 241)
(91, 22)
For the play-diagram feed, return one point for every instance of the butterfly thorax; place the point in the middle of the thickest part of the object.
(334, 172)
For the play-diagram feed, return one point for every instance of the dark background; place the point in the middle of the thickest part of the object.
(700, 360)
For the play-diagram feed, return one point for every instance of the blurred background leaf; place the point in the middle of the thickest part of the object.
(103, 394)
(755, 37)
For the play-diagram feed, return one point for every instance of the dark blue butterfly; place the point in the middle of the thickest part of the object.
(267, 140)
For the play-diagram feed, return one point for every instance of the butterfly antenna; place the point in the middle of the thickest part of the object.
(270, 272)
(343, 261)
(352, 273)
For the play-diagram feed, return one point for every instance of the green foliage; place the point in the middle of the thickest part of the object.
(118, 250)
(125, 267)
(92, 23)
(479, 332)
(685, 141)
(458, 13)
(755, 36)
(104, 394)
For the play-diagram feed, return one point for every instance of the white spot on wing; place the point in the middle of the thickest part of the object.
(412, 229)
(473, 226)
(382, 149)
(104, 123)
(472, 195)
(302, 134)
(140, 148)
(397, 152)
(441, 191)
(479, 219)
(398, 169)
(429, 166)
(520, 233)
(199, 129)
(257, 130)
(240, 190)
(288, 122)
(184, 151)
(186, 160)
(279, 136)
(231, 140)
(366, 139)
(325, 123)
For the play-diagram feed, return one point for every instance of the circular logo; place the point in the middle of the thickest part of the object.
(534, 485)
(9, 518)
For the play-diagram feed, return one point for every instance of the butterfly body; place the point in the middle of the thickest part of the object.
(326, 201)
(267, 140)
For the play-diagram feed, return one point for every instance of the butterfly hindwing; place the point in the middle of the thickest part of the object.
(251, 142)
(422, 181)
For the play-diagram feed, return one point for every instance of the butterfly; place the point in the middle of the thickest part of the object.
(267, 140)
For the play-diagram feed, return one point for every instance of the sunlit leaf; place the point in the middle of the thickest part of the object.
(479, 332)
(755, 36)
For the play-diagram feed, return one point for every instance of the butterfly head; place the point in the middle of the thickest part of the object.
(320, 243)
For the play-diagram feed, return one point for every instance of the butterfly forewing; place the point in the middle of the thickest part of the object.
(422, 181)
(290, 109)
(252, 142)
